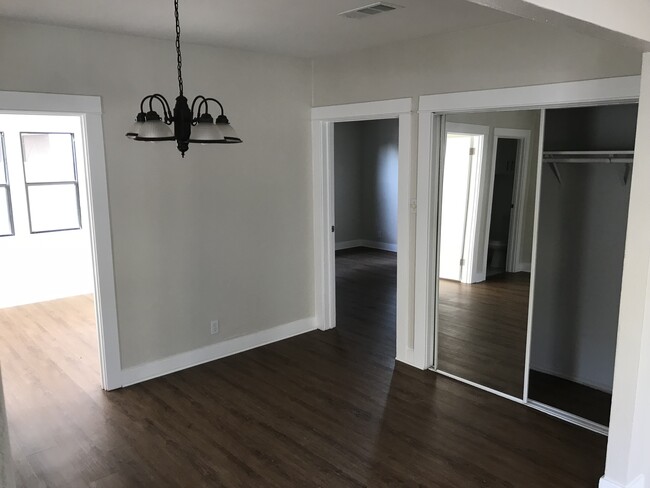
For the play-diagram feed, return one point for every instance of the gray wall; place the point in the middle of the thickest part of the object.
(347, 181)
(365, 172)
(581, 246)
(582, 226)
(225, 233)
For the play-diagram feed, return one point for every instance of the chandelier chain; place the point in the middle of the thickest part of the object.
(179, 58)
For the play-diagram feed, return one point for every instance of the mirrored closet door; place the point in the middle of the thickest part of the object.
(486, 220)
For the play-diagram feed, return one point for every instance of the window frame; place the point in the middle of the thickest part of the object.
(74, 182)
(7, 185)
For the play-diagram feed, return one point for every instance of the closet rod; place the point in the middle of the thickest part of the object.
(553, 158)
(587, 160)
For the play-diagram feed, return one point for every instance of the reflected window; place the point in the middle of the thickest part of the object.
(52, 182)
(6, 214)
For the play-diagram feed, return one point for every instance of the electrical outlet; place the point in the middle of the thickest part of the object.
(214, 327)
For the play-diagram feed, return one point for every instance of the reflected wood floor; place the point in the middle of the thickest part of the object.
(482, 334)
(328, 409)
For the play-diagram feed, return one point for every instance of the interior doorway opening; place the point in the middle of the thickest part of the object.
(366, 157)
(459, 219)
(501, 221)
(47, 284)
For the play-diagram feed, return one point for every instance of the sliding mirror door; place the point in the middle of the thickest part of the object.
(486, 217)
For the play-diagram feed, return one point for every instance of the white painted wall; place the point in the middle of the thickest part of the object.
(517, 53)
(44, 266)
(628, 449)
(623, 16)
(224, 233)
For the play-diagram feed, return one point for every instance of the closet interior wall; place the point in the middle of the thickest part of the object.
(581, 242)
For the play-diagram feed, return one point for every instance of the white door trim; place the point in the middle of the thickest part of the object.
(88, 108)
(610, 90)
(431, 108)
(519, 193)
(323, 119)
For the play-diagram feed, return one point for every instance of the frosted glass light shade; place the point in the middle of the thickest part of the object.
(133, 132)
(228, 132)
(135, 129)
(155, 130)
(205, 132)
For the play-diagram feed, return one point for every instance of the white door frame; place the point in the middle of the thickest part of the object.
(323, 119)
(469, 273)
(432, 109)
(89, 110)
(519, 193)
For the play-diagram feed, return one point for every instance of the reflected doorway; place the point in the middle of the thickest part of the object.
(486, 222)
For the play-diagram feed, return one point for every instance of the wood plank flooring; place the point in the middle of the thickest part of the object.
(482, 331)
(328, 409)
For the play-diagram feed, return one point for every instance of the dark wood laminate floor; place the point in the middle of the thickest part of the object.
(329, 409)
(482, 334)
(572, 397)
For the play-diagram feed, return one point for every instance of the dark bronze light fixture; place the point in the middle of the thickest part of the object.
(200, 128)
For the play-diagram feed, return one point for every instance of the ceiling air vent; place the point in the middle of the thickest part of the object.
(368, 10)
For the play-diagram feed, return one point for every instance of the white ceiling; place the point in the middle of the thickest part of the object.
(305, 28)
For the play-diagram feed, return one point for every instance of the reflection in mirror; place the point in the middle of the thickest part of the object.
(486, 217)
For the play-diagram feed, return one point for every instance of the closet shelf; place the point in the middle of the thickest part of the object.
(553, 158)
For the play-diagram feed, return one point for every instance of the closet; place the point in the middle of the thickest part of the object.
(583, 207)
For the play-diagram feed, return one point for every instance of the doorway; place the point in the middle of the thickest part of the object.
(410, 348)
(366, 160)
(45, 239)
(459, 217)
(502, 205)
(59, 190)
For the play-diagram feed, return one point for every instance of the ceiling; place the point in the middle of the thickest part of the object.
(305, 28)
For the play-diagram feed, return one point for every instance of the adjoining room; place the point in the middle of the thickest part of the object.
(365, 176)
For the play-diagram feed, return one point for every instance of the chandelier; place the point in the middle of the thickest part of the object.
(200, 128)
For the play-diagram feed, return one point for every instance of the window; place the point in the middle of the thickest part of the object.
(6, 215)
(51, 181)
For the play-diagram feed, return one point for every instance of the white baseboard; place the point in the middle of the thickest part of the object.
(524, 267)
(171, 364)
(637, 483)
(384, 246)
(339, 246)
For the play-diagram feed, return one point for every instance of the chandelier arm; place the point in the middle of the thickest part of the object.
(215, 101)
(196, 99)
(166, 108)
(204, 101)
(142, 103)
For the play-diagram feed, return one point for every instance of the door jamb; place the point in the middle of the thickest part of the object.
(89, 109)
(323, 119)
(520, 192)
